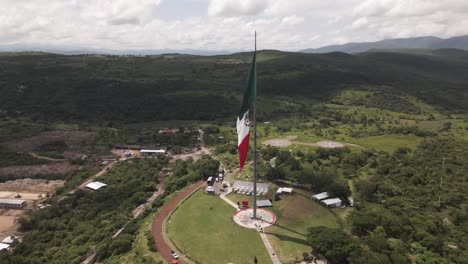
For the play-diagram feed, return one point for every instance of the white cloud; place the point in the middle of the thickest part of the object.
(237, 7)
(411, 18)
(226, 24)
(292, 20)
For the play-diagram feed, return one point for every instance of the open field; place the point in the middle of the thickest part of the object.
(202, 228)
(8, 224)
(294, 214)
(29, 144)
(31, 185)
(30, 170)
(389, 143)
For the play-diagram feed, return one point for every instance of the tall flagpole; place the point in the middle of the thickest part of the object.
(255, 138)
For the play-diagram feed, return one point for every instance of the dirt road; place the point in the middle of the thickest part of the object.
(104, 170)
(44, 158)
(157, 227)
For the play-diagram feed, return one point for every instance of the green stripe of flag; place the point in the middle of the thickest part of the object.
(249, 92)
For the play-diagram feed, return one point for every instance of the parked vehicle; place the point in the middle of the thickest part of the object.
(174, 254)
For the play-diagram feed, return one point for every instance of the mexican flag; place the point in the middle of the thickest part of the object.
(243, 124)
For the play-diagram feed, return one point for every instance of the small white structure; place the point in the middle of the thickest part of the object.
(333, 202)
(320, 196)
(10, 240)
(264, 203)
(96, 185)
(150, 152)
(284, 190)
(4, 247)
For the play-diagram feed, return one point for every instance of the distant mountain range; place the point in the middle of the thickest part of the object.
(75, 50)
(460, 42)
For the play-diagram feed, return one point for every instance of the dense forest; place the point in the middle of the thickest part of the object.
(96, 88)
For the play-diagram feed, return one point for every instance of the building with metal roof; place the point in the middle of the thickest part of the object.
(284, 190)
(12, 203)
(95, 185)
(321, 196)
(264, 203)
(332, 202)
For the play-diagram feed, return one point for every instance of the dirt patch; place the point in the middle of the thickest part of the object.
(298, 206)
(30, 170)
(8, 225)
(31, 185)
(285, 142)
(29, 144)
(280, 142)
(329, 144)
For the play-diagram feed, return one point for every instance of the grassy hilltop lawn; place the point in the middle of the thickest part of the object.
(202, 228)
(295, 215)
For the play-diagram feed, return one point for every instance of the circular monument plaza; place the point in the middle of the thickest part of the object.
(264, 218)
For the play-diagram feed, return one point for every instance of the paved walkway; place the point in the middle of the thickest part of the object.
(266, 242)
(271, 251)
(223, 196)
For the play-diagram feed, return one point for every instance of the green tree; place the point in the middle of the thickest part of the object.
(334, 244)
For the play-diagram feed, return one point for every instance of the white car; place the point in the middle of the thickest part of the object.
(174, 254)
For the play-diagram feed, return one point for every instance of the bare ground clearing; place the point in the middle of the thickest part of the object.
(30, 190)
(31, 185)
(8, 225)
(285, 142)
(30, 170)
(30, 143)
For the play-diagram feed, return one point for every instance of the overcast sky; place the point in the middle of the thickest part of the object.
(224, 24)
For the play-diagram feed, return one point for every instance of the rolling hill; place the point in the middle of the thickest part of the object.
(99, 87)
(429, 42)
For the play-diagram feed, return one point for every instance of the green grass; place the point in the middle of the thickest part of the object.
(389, 143)
(295, 215)
(202, 228)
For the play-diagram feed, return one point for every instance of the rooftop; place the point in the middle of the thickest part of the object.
(4, 246)
(11, 201)
(264, 203)
(321, 196)
(331, 201)
(96, 185)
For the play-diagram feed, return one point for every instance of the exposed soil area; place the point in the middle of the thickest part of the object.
(8, 225)
(30, 144)
(285, 142)
(30, 170)
(30, 190)
(31, 185)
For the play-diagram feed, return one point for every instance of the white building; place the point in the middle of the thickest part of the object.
(332, 202)
(95, 185)
(10, 240)
(284, 190)
(151, 152)
(320, 196)
(12, 203)
(4, 247)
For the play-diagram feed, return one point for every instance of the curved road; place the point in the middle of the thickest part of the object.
(157, 227)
